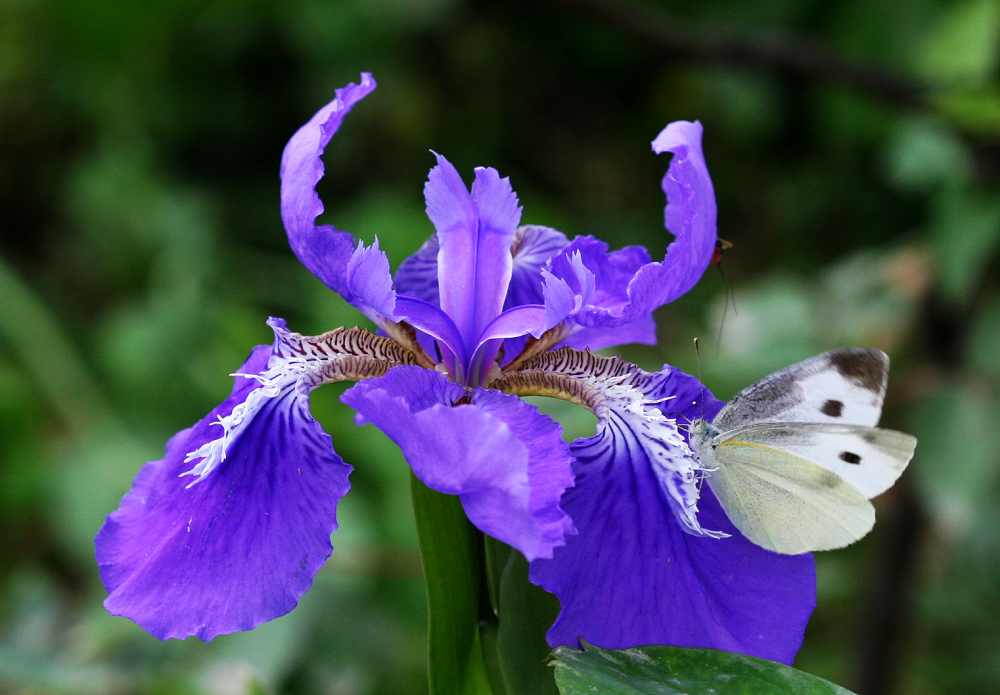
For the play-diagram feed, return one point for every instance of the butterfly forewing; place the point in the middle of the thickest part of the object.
(786, 503)
(844, 386)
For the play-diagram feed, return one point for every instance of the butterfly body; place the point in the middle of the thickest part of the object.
(795, 458)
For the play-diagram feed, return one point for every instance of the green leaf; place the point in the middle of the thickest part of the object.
(452, 554)
(924, 155)
(675, 671)
(976, 109)
(489, 633)
(985, 336)
(962, 45)
(964, 231)
(526, 612)
(954, 464)
(497, 554)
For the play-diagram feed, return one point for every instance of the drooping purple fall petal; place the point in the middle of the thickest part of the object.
(504, 459)
(240, 543)
(358, 274)
(474, 235)
(632, 575)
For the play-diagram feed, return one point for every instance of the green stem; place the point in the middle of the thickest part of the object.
(526, 612)
(451, 550)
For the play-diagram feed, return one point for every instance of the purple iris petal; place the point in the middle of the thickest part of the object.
(503, 458)
(417, 275)
(690, 215)
(632, 576)
(370, 281)
(598, 277)
(239, 546)
(437, 324)
(642, 331)
(527, 319)
(589, 282)
(536, 246)
(360, 275)
(541, 246)
(474, 235)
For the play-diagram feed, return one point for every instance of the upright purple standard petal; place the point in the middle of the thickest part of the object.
(531, 248)
(690, 214)
(633, 576)
(504, 459)
(474, 236)
(360, 275)
(239, 544)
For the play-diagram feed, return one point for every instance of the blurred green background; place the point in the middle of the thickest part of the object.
(855, 151)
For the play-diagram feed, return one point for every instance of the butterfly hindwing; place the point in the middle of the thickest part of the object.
(785, 503)
(845, 386)
(867, 458)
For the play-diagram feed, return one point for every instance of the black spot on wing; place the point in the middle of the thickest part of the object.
(866, 368)
(832, 408)
(849, 457)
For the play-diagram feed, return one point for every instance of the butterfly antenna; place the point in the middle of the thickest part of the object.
(721, 247)
(701, 376)
(729, 301)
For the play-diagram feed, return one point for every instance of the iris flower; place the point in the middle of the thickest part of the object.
(229, 528)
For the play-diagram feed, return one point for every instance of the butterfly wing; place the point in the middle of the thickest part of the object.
(844, 386)
(786, 503)
(867, 458)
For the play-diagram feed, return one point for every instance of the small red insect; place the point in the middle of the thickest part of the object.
(721, 246)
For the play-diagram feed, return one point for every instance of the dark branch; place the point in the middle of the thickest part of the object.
(782, 54)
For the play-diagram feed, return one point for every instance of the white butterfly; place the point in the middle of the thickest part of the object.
(795, 458)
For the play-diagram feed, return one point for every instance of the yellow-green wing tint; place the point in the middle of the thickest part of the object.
(786, 503)
(869, 459)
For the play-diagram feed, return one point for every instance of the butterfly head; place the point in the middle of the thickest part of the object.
(699, 434)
